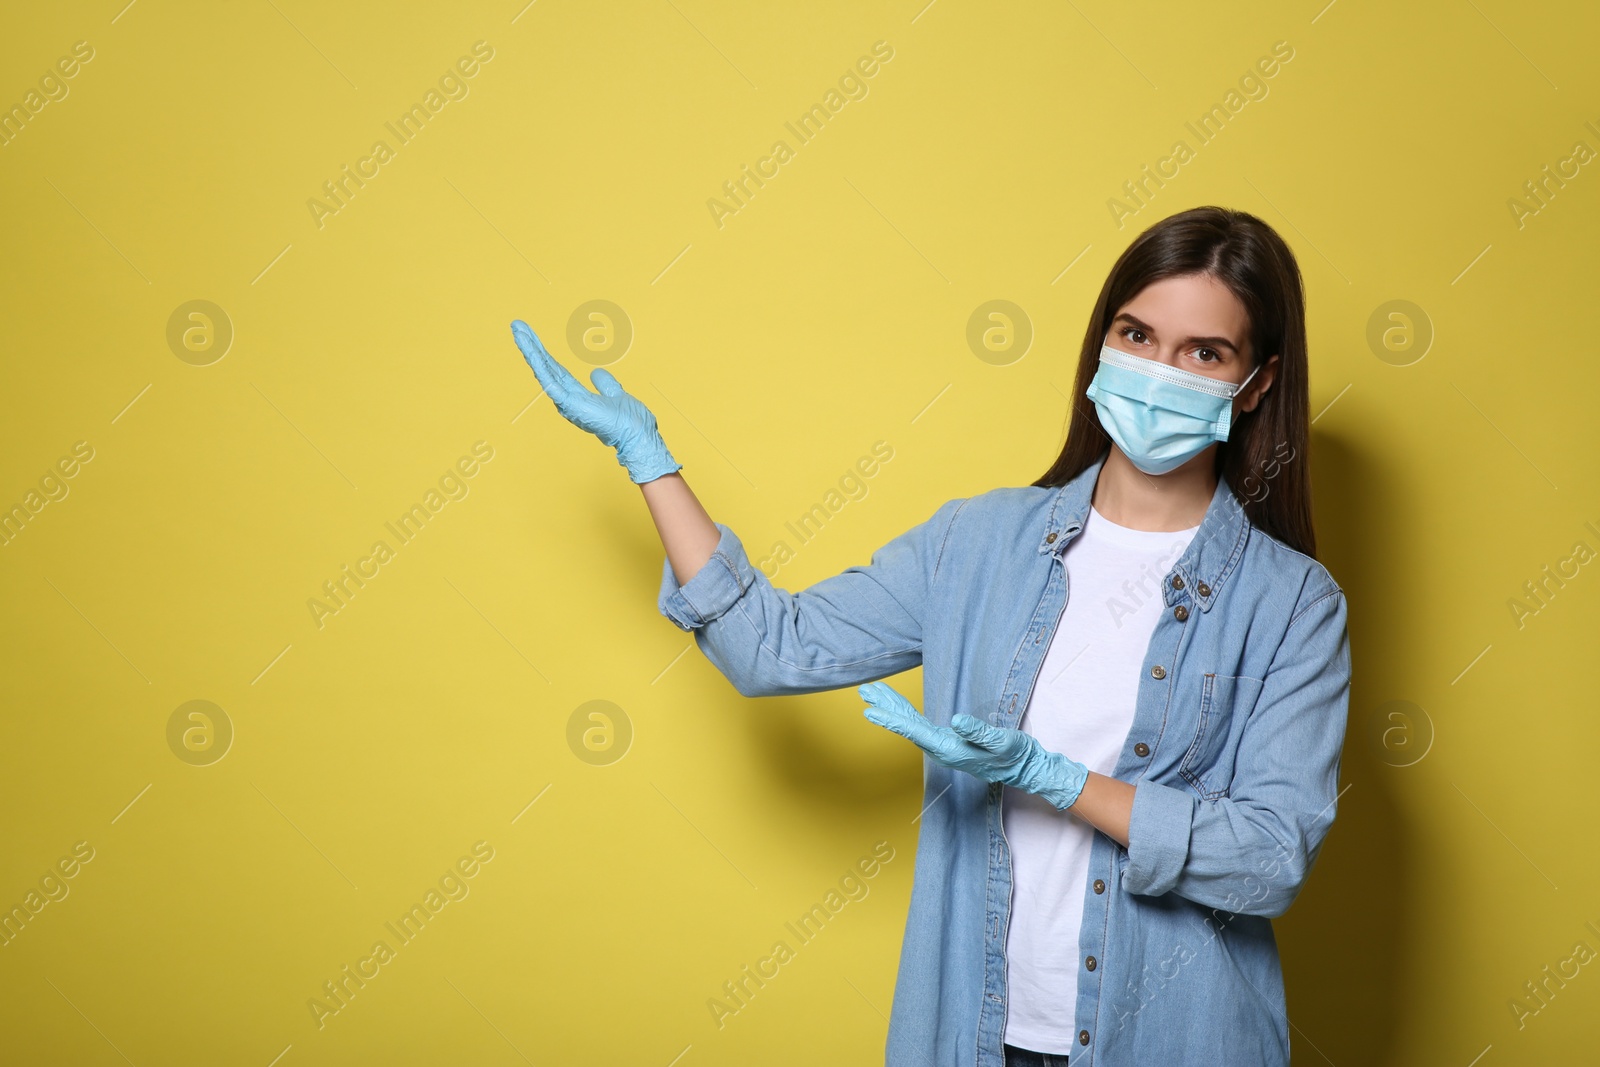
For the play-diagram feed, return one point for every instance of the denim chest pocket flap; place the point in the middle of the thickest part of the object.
(1226, 702)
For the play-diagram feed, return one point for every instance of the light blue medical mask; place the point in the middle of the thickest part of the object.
(1160, 416)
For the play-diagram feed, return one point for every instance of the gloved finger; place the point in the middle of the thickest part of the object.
(606, 382)
(903, 721)
(527, 340)
(930, 739)
(557, 381)
(890, 709)
(895, 713)
(884, 694)
(979, 732)
(889, 722)
(891, 704)
(544, 368)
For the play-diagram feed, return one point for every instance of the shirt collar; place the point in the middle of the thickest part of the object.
(1207, 561)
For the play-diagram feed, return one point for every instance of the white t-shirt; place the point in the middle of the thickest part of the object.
(1082, 706)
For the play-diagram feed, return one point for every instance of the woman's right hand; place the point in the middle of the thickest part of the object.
(613, 415)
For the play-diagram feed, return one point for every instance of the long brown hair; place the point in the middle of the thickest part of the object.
(1265, 457)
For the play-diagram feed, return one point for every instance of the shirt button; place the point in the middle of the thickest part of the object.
(1203, 589)
(1089, 963)
(1158, 671)
(1050, 538)
(1177, 581)
(1141, 749)
(1180, 613)
(1099, 885)
(1083, 1037)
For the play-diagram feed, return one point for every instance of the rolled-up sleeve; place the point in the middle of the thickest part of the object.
(1158, 837)
(1250, 852)
(712, 590)
(860, 625)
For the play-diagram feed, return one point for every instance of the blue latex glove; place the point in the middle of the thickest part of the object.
(617, 418)
(992, 753)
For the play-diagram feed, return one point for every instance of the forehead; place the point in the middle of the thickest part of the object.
(1191, 305)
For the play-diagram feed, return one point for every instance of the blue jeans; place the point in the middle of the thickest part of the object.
(1021, 1057)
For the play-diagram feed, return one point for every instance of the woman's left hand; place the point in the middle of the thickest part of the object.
(992, 753)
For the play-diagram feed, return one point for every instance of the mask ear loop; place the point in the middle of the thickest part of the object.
(1227, 412)
(1247, 378)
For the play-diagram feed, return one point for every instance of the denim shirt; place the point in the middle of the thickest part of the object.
(1234, 756)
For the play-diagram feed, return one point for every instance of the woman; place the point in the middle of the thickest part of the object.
(1123, 787)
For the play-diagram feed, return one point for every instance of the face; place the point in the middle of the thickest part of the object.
(1195, 324)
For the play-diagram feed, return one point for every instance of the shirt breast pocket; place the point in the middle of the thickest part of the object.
(1226, 702)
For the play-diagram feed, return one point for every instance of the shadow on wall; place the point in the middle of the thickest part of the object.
(1343, 942)
(824, 755)
(815, 749)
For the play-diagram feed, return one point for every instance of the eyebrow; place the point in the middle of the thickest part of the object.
(1219, 342)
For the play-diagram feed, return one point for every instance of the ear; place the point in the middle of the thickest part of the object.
(1258, 385)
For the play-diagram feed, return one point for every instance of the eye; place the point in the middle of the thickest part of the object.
(1126, 331)
(1216, 356)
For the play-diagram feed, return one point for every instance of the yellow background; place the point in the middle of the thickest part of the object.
(829, 313)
